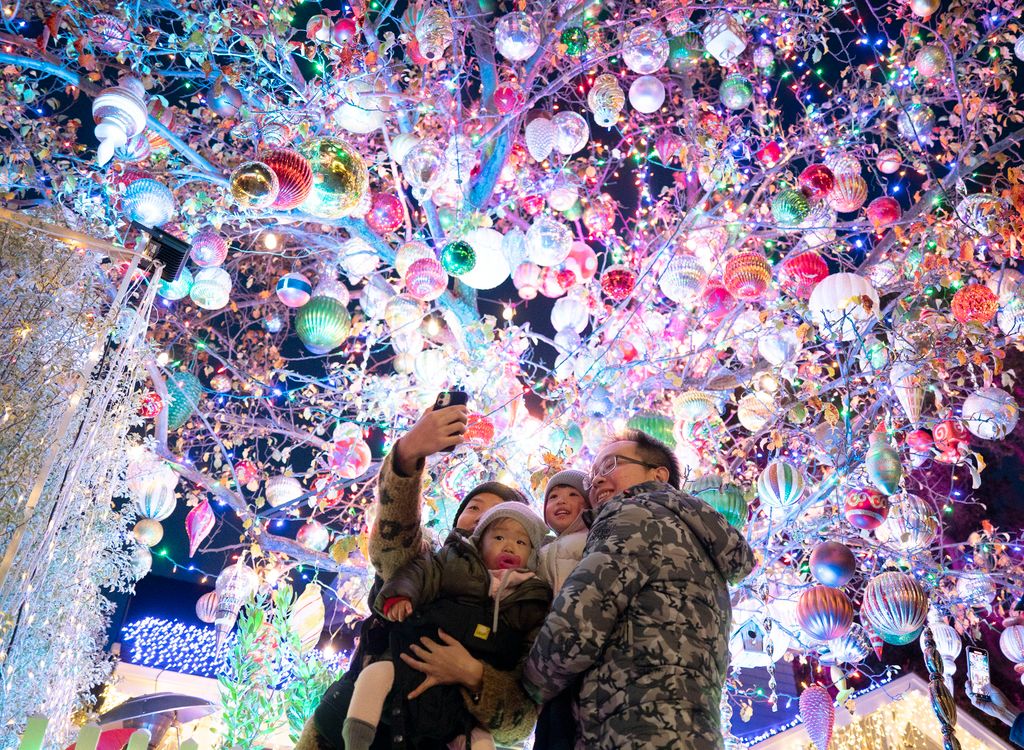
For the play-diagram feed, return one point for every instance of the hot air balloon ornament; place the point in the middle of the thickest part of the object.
(882, 462)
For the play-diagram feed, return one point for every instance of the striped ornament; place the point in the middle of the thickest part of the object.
(895, 606)
(780, 485)
(824, 613)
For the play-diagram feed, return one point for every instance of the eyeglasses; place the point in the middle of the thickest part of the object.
(609, 464)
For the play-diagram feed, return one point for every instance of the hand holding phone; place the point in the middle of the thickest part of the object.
(440, 429)
(978, 677)
(451, 398)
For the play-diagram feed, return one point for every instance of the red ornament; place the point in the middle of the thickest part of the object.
(479, 429)
(975, 303)
(950, 436)
(413, 48)
(884, 212)
(344, 31)
(921, 444)
(817, 181)
(294, 175)
(865, 507)
(618, 282)
(151, 405)
(717, 301)
(532, 204)
(800, 273)
(582, 261)
(769, 154)
(508, 98)
(747, 275)
(386, 213)
(566, 278)
(246, 471)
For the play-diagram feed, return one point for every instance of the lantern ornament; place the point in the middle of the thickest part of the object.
(206, 607)
(895, 606)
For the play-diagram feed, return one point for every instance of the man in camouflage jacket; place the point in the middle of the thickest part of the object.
(642, 624)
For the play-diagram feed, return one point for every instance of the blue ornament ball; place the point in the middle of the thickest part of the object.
(833, 564)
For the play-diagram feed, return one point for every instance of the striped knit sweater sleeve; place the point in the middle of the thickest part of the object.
(396, 536)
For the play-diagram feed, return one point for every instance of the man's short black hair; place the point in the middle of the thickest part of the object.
(656, 453)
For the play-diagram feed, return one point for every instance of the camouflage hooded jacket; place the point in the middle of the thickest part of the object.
(643, 623)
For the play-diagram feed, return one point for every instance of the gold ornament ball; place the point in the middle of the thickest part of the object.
(254, 185)
(148, 532)
(340, 178)
(923, 8)
(931, 61)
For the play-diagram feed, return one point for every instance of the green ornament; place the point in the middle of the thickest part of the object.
(575, 40)
(736, 91)
(447, 218)
(183, 394)
(684, 52)
(658, 426)
(458, 257)
(729, 501)
(322, 324)
(790, 207)
(574, 211)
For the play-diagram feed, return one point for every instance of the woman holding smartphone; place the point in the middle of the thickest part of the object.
(495, 698)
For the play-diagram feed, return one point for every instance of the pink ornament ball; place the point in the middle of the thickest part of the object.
(509, 98)
(817, 181)
(950, 436)
(426, 279)
(526, 278)
(883, 212)
(350, 458)
(889, 161)
(618, 282)
(313, 535)
(800, 273)
(294, 289)
(294, 176)
(747, 275)
(865, 508)
(344, 31)
(717, 301)
(849, 193)
(209, 248)
(386, 213)
(246, 471)
(582, 261)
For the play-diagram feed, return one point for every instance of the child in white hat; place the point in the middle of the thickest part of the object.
(565, 499)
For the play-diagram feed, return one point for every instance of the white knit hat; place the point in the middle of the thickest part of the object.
(534, 525)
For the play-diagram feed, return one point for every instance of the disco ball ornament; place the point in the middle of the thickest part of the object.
(211, 288)
(425, 279)
(548, 242)
(931, 60)
(747, 275)
(824, 613)
(386, 213)
(294, 290)
(492, 267)
(517, 36)
(148, 532)
(294, 177)
(340, 178)
(817, 181)
(177, 288)
(894, 606)
(736, 91)
(183, 394)
(915, 123)
(990, 413)
(883, 212)
(911, 525)
(313, 535)
(424, 168)
(647, 94)
(575, 41)
(818, 714)
(322, 324)
(618, 282)
(780, 485)
(148, 202)
(682, 279)
(458, 257)
(572, 133)
(790, 207)
(645, 49)
(849, 193)
(974, 303)
(833, 564)
(209, 248)
(889, 161)
(254, 185)
(865, 507)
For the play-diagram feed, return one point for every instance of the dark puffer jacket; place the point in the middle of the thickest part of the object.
(644, 621)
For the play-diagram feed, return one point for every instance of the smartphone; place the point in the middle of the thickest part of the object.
(977, 669)
(450, 398)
